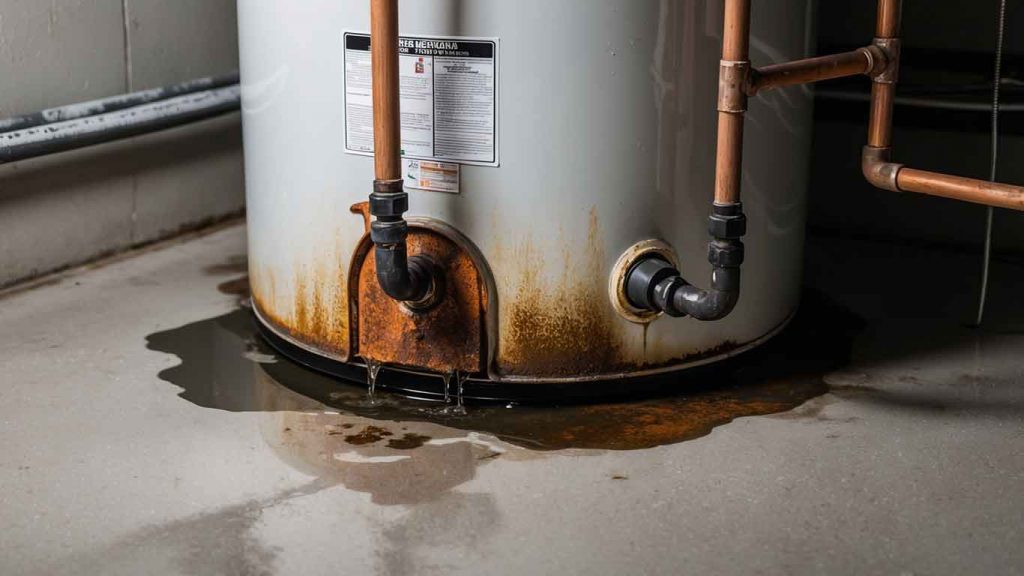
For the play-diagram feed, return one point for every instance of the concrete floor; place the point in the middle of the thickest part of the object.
(913, 463)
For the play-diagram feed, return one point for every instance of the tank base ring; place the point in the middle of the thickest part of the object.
(425, 386)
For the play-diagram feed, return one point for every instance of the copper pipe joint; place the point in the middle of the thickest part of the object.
(878, 168)
(890, 48)
(732, 81)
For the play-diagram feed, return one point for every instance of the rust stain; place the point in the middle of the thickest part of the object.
(409, 441)
(567, 330)
(238, 287)
(571, 330)
(363, 209)
(369, 435)
(784, 381)
(449, 337)
(318, 313)
(321, 309)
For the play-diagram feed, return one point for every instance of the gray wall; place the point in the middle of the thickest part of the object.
(70, 208)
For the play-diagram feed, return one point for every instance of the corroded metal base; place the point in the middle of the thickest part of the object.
(429, 386)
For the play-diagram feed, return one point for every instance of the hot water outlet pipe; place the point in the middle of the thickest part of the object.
(653, 284)
(415, 280)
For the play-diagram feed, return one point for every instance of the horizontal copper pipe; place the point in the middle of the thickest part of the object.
(959, 188)
(887, 175)
(861, 61)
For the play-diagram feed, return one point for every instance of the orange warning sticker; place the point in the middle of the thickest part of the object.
(431, 176)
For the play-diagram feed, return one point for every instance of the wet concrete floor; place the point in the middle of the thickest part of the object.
(153, 431)
(227, 365)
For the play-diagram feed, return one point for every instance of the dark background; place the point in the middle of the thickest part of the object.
(949, 50)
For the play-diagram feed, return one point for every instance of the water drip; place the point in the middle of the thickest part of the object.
(460, 406)
(447, 385)
(373, 368)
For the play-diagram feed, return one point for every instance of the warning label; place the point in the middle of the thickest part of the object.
(448, 98)
(430, 175)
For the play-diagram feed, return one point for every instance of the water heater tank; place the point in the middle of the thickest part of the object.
(546, 143)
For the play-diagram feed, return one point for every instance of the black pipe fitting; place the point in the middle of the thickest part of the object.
(402, 278)
(654, 284)
(410, 280)
(727, 222)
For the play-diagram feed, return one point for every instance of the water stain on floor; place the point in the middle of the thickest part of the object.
(237, 264)
(218, 357)
(404, 451)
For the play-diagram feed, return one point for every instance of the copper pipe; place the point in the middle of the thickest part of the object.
(876, 164)
(732, 101)
(867, 60)
(880, 122)
(959, 188)
(729, 160)
(878, 170)
(736, 33)
(890, 13)
(387, 131)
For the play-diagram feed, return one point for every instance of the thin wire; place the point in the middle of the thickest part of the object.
(993, 172)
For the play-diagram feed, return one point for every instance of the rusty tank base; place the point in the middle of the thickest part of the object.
(720, 369)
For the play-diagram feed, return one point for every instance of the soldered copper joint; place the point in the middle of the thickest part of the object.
(888, 54)
(878, 168)
(733, 78)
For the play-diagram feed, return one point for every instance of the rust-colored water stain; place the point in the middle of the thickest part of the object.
(448, 337)
(368, 435)
(774, 379)
(565, 330)
(409, 441)
(651, 423)
(236, 287)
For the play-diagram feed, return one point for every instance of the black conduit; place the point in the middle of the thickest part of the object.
(110, 119)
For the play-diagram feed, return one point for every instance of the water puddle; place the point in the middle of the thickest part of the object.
(226, 365)
(403, 451)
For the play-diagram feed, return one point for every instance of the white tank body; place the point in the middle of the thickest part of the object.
(605, 137)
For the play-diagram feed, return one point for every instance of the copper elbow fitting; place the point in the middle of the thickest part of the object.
(878, 170)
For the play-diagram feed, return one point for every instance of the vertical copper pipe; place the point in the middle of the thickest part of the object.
(736, 35)
(883, 92)
(732, 101)
(387, 131)
(729, 161)
(880, 123)
(889, 15)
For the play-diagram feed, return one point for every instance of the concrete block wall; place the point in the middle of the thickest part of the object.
(73, 207)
